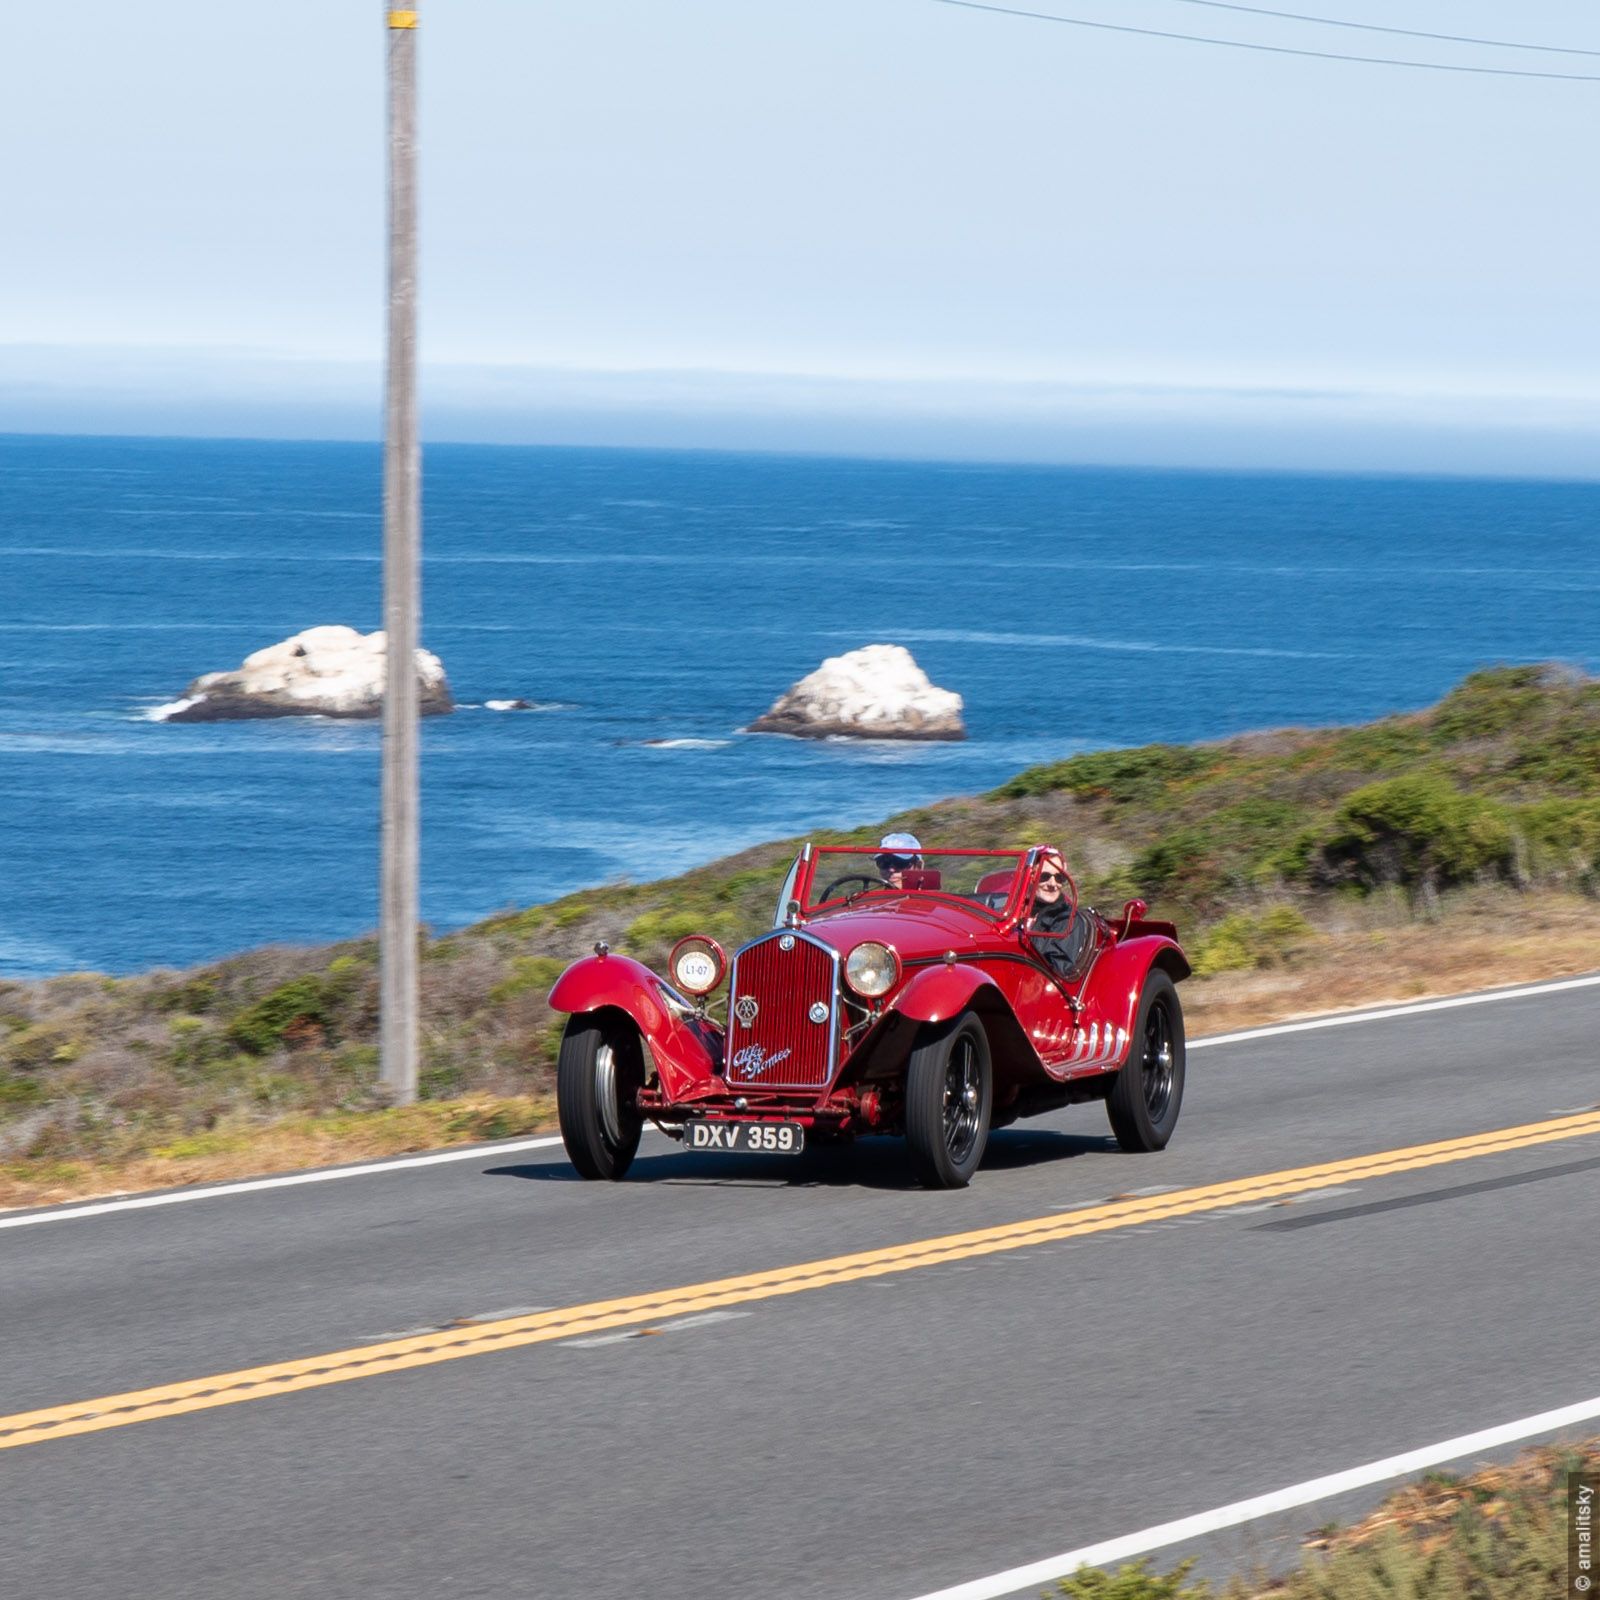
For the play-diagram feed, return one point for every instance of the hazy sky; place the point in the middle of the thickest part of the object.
(848, 220)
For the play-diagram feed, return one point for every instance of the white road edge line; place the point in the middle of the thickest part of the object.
(1348, 1019)
(1163, 1534)
(178, 1197)
(473, 1152)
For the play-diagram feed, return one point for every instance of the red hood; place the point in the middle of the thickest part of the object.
(914, 925)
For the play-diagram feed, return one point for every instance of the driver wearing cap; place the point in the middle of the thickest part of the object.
(898, 854)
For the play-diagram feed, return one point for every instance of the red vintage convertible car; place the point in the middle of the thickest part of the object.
(926, 1008)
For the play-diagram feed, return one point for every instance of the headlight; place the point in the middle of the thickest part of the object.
(871, 969)
(697, 964)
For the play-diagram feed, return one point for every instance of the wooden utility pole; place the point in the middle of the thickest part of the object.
(402, 584)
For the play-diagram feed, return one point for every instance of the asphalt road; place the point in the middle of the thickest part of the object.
(878, 1438)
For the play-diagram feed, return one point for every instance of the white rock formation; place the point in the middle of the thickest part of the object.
(323, 672)
(878, 692)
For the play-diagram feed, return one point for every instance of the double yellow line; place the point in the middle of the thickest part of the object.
(510, 1333)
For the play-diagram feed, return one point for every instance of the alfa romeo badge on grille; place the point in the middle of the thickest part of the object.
(746, 1009)
(786, 942)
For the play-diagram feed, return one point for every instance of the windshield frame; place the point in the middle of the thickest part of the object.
(811, 865)
(788, 894)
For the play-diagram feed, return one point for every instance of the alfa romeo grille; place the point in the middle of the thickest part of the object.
(782, 1013)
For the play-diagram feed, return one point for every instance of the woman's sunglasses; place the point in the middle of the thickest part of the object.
(1051, 877)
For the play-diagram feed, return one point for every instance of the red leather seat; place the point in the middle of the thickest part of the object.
(994, 888)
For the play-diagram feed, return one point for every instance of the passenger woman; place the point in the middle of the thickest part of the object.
(1064, 928)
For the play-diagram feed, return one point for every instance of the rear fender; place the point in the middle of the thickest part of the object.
(686, 1051)
(1119, 976)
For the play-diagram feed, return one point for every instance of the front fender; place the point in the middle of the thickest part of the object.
(939, 993)
(611, 981)
(686, 1052)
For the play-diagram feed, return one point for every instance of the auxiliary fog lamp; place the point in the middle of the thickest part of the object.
(697, 964)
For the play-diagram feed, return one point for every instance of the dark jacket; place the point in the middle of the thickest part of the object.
(1061, 919)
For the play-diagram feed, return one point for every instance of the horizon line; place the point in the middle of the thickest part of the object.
(374, 442)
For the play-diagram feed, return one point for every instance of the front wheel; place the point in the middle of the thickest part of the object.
(949, 1098)
(1144, 1101)
(598, 1074)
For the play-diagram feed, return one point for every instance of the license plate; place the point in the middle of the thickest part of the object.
(763, 1138)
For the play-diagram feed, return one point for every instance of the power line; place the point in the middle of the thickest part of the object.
(1270, 49)
(1409, 33)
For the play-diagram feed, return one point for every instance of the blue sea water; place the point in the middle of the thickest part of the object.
(645, 596)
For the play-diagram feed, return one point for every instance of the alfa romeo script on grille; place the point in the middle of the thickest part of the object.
(770, 1138)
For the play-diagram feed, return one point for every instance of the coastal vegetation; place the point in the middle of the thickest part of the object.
(1306, 868)
(1496, 1534)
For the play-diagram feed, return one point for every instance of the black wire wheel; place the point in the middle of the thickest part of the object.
(949, 1098)
(599, 1073)
(1144, 1100)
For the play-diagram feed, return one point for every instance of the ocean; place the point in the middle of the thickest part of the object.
(652, 603)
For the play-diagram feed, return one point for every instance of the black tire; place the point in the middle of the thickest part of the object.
(949, 1099)
(598, 1073)
(1144, 1100)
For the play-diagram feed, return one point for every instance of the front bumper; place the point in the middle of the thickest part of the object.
(841, 1112)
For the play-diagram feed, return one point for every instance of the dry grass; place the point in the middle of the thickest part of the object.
(295, 1144)
(1498, 1534)
(1486, 941)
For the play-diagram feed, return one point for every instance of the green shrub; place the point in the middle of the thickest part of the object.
(1247, 839)
(195, 1044)
(529, 975)
(1566, 758)
(657, 931)
(17, 1093)
(1294, 860)
(192, 996)
(1485, 704)
(277, 1089)
(1413, 831)
(441, 1083)
(1225, 948)
(1185, 865)
(1561, 835)
(516, 924)
(262, 1027)
(1280, 928)
(1133, 1582)
(1140, 776)
(45, 1044)
(357, 1060)
(1382, 746)
(208, 1142)
(1242, 941)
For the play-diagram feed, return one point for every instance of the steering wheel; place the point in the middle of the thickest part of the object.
(854, 877)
